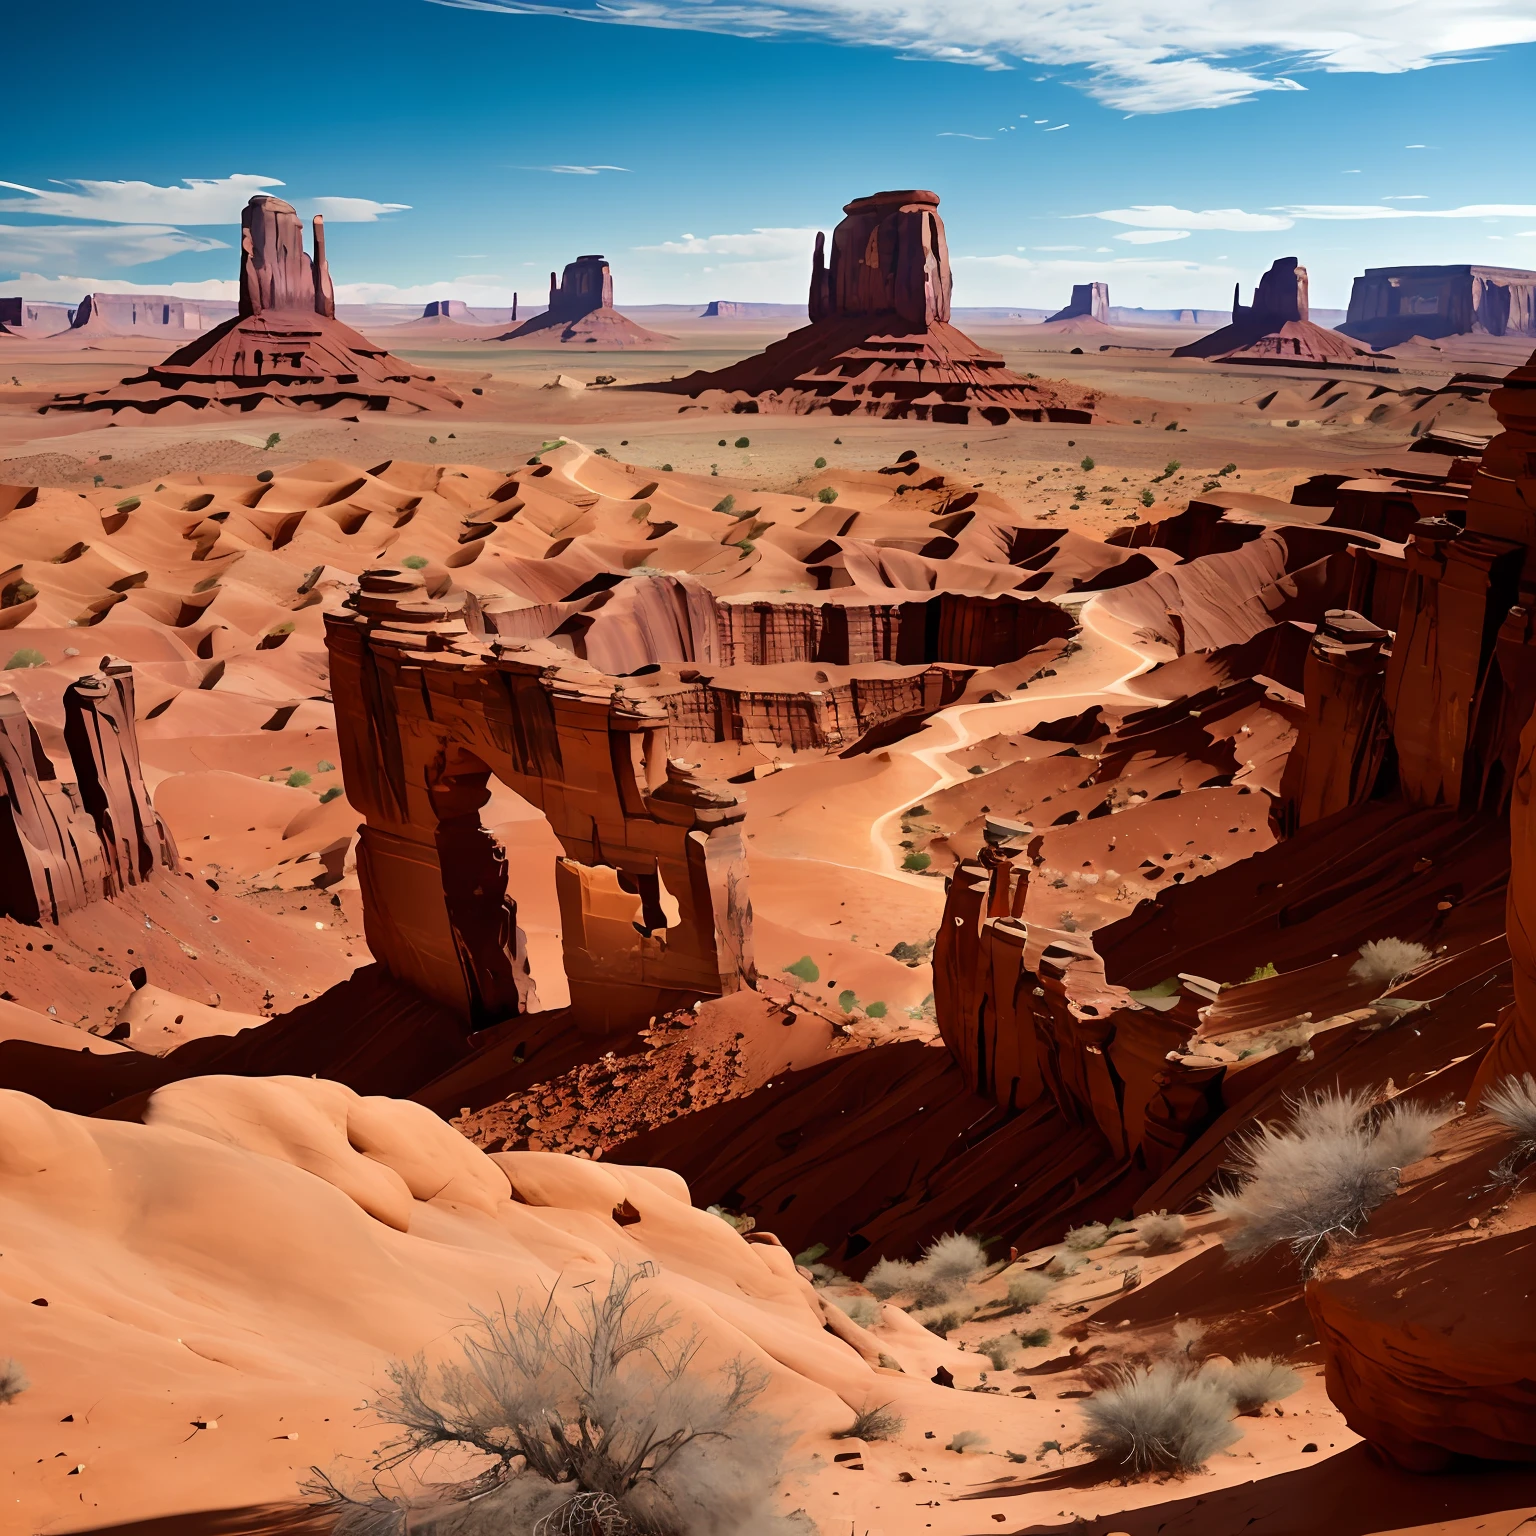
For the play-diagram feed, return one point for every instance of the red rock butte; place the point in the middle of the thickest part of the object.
(284, 350)
(581, 313)
(1276, 329)
(880, 342)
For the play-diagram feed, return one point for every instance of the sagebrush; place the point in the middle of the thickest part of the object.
(1384, 960)
(1252, 1381)
(1317, 1180)
(1028, 1288)
(876, 1422)
(13, 1380)
(1159, 1419)
(1161, 1233)
(1512, 1102)
(565, 1408)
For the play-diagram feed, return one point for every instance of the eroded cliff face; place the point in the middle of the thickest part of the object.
(285, 347)
(65, 843)
(880, 342)
(653, 889)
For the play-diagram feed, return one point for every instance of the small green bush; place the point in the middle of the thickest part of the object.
(876, 1011)
(743, 442)
(1087, 463)
(297, 779)
(826, 495)
(1036, 1338)
(848, 1000)
(414, 562)
(26, 657)
(667, 468)
(726, 504)
(806, 969)
(335, 792)
(276, 437)
(821, 464)
(1147, 498)
(916, 862)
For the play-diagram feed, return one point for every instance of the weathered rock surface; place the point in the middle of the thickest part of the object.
(1388, 305)
(581, 313)
(285, 349)
(1276, 329)
(880, 342)
(1089, 301)
(66, 843)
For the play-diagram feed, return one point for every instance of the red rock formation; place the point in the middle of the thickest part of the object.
(1090, 301)
(880, 342)
(1390, 304)
(285, 348)
(653, 890)
(66, 844)
(1276, 329)
(581, 313)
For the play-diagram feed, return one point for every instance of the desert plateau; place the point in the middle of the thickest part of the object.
(903, 903)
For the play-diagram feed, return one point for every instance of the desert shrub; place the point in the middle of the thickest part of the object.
(999, 1350)
(864, 1310)
(274, 438)
(26, 657)
(1086, 1238)
(1254, 1380)
(966, 1440)
(13, 1381)
(1512, 1102)
(743, 442)
(1028, 1288)
(1159, 1419)
(1063, 1265)
(1160, 1232)
(1087, 463)
(891, 1276)
(297, 779)
(742, 1224)
(667, 468)
(917, 862)
(1318, 1179)
(1147, 498)
(325, 765)
(1036, 1338)
(805, 968)
(726, 504)
(873, 1423)
(1383, 960)
(601, 1414)
(954, 1259)
(820, 464)
(335, 792)
(1188, 1340)
(946, 1319)
(827, 495)
(414, 562)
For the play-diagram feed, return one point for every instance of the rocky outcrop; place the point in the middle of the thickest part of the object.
(653, 884)
(67, 843)
(285, 347)
(1089, 301)
(1387, 305)
(1276, 329)
(581, 313)
(880, 342)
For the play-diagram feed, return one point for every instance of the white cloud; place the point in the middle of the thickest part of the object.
(477, 290)
(124, 245)
(70, 290)
(1406, 197)
(760, 244)
(354, 210)
(1152, 236)
(985, 138)
(1138, 55)
(579, 170)
(197, 201)
(1347, 211)
(1058, 127)
(1163, 216)
(1133, 280)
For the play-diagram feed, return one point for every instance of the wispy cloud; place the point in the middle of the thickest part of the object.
(1165, 216)
(1237, 220)
(1137, 55)
(578, 170)
(1152, 236)
(759, 244)
(1058, 127)
(354, 210)
(197, 200)
(477, 290)
(985, 138)
(1346, 211)
(122, 245)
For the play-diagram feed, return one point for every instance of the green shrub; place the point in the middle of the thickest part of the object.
(826, 495)
(726, 504)
(743, 442)
(1036, 1338)
(916, 862)
(805, 968)
(820, 464)
(848, 1000)
(1087, 462)
(297, 779)
(26, 657)
(414, 562)
(276, 437)
(1147, 498)
(335, 792)
(876, 1011)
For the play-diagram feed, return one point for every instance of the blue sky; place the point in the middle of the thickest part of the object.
(1168, 146)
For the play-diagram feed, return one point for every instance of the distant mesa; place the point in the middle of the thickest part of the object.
(581, 313)
(1276, 329)
(285, 348)
(22, 317)
(1087, 313)
(449, 309)
(880, 342)
(731, 309)
(1390, 304)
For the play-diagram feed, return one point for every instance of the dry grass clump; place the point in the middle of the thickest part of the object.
(949, 1264)
(1512, 1102)
(1086, 1238)
(13, 1381)
(1317, 1180)
(1162, 1233)
(999, 1350)
(890, 1277)
(863, 1310)
(1028, 1288)
(1252, 1381)
(1383, 960)
(1159, 1419)
(967, 1440)
(954, 1316)
(592, 1418)
(1063, 1266)
(873, 1423)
